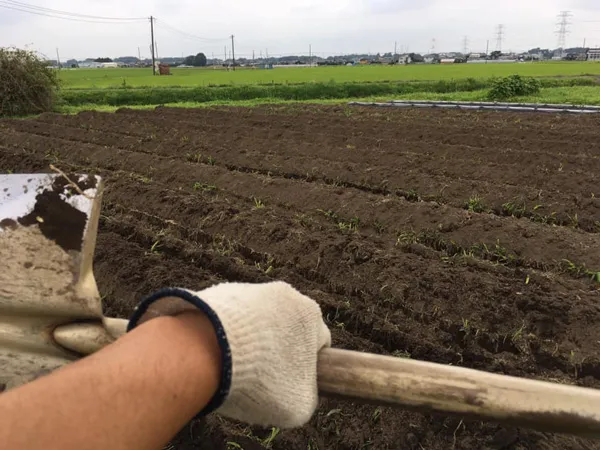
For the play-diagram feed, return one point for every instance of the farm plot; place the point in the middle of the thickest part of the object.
(461, 238)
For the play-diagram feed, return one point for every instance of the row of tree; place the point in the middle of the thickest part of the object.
(197, 61)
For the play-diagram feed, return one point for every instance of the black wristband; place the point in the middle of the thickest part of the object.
(226, 370)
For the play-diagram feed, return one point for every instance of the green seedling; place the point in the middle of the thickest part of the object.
(304, 220)
(406, 237)
(514, 209)
(379, 227)
(580, 270)
(518, 334)
(233, 445)
(466, 327)
(204, 187)
(496, 253)
(268, 441)
(266, 268)
(210, 160)
(155, 247)
(194, 157)
(574, 220)
(401, 354)
(376, 415)
(52, 156)
(142, 178)
(329, 214)
(353, 224)
(258, 203)
(476, 204)
(412, 196)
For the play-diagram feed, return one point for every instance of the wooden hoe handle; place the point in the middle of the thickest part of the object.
(418, 385)
(430, 387)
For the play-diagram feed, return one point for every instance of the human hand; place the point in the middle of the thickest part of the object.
(269, 335)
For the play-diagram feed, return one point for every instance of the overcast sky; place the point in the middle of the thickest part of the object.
(288, 27)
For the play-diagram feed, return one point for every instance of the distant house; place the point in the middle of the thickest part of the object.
(593, 54)
(89, 65)
(448, 61)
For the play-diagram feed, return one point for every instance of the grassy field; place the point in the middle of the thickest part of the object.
(575, 83)
(584, 95)
(119, 78)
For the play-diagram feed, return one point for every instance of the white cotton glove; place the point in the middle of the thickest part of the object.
(270, 336)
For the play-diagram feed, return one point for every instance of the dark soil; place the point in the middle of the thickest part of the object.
(57, 219)
(464, 238)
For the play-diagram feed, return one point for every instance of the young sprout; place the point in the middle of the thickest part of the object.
(258, 203)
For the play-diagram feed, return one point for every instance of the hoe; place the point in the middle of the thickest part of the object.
(51, 314)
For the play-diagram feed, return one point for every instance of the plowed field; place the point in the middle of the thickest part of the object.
(464, 238)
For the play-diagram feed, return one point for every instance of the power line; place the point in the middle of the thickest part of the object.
(8, 4)
(188, 35)
(563, 28)
(22, 5)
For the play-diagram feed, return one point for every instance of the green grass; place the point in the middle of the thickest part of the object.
(116, 78)
(575, 95)
(305, 91)
(111, 88)
(578, 95)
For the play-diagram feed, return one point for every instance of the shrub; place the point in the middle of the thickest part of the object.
(512, 86)
(27, 84)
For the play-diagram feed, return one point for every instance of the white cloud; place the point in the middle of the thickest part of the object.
(333, 26)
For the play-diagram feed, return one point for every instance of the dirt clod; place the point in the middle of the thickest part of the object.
(57, 219)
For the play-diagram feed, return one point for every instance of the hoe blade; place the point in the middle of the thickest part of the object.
(48, 226)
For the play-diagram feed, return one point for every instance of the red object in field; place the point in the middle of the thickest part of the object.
(164, 69)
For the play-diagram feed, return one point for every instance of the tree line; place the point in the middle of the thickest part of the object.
(198, 60)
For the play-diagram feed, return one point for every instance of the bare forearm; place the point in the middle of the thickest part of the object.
(135, 394)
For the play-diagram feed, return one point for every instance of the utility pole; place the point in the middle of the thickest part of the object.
(499, 37)
(395, 52)
(487, 51)
(310, 54)
(152, 46)
(465, 45)
(233, 50)
(267, 53)
(253, 56)
(139, 54)
(225, 57)
(57, 59)
(563, 29)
